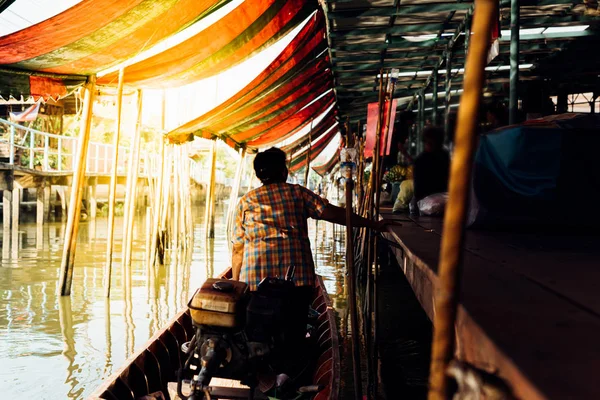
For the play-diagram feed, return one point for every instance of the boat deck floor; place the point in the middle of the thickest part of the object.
(529, 303)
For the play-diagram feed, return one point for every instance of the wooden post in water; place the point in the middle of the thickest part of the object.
(235, 190)
(446, 295)
(112, 189)
(68, 257)
(157, 205)
(6, 209)
(210, 193)
(352, 288)
(130, 194)
(308, 156)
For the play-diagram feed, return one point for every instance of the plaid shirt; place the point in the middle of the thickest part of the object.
(271, 223)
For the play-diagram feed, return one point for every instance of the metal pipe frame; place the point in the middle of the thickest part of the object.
(513, 105)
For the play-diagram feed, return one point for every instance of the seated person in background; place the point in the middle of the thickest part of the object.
(271, 233)
(432, 167)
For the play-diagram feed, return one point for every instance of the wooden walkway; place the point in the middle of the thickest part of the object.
(530, 304)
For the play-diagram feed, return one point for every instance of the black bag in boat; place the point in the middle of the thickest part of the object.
(540, 174)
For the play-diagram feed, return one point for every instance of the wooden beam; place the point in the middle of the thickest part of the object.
(399, 11)
(68, 256)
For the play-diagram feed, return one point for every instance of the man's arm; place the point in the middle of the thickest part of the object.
(237, 256)
(337, 215)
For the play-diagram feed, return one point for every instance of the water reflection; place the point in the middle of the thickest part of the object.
(67, 345)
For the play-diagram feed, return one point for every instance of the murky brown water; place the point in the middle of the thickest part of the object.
(54, 347)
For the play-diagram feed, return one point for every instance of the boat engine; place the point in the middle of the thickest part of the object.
(238, 334)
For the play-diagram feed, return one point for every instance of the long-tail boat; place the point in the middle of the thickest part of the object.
(152, 371)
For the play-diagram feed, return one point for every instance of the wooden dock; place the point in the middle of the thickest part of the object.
(529, 308)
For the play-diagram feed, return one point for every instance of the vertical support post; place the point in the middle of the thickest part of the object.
(446, 296)
(421, 118)
(59, 156)
(210, 193)
(352, 289)
(447, 97)
(434, 99)
(46, 151)
(235, 190)
(130, 195)
(93, 201)
(513, 104)
(68, 257)
(11, 150)
(307, 172)
(31, 148)
(112, 189)
(39, 218)
(6, 210)
(16, 206)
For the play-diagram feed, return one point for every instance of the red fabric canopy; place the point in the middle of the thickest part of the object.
(238, 35)
(322, 127)
(299, 54)
(299, 160)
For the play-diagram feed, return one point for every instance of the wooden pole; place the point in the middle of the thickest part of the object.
(446, 295)
(352, 289)
(112, 189)
(130, 194)
(210, 193)
(68, 257)
(158, 205)
(235, 190)
(308, 155)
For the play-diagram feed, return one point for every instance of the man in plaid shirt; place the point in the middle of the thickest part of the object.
(271, 232)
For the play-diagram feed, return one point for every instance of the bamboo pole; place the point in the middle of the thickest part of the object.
(130, 195)
(235, 190)
(68, 257)
(112, 189)
(352, 289)
(158, 206)
(210, 193)
(308, 155)
(371, 278)
(446, 295)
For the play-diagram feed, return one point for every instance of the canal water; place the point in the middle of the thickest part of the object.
(54, 347)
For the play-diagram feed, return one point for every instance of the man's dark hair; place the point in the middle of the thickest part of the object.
(270, 166)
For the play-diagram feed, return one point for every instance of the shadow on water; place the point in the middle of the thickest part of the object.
(53, 347)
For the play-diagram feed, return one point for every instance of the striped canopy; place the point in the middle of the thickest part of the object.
(300, 160)
(328, 166)
(96, 35)
(324, 125)
(292, 91)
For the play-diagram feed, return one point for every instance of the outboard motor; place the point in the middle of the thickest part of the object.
(237, 334)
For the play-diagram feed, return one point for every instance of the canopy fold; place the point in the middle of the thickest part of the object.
(324, 125)
(287, 125)
(328, 166)
(299, 160)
